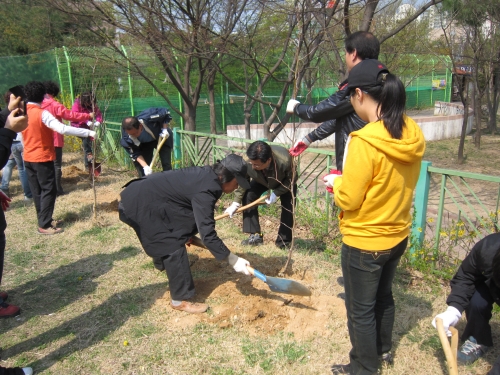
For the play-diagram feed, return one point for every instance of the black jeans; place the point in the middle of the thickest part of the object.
(478, 315)
(147, 152)
(176, 264)
(368, 277)
(41, 177)
(3, 226)
(58, 169)
(251, 216)
(87, 149)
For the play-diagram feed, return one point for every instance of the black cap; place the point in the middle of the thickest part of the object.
(366, 74)
(237, 166)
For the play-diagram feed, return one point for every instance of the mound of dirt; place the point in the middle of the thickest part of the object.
(247, 302)
(74, 174)
(108, 206)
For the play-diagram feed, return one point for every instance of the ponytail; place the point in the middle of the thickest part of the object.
(390, 95)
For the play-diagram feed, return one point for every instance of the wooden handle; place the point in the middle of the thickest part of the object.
(157, 152)
(243, 208)
(451, 358)
(251, 270)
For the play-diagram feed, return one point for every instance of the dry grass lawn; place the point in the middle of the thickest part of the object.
(92, 303)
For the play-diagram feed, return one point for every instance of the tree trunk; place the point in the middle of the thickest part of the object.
(465, 102)
(211, 103)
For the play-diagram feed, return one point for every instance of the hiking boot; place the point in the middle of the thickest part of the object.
(4, 296)
(8, 311)
(471, 351)
(386, 359)
(254, 239)
(341, 369)
(190, 307)
(50, 231)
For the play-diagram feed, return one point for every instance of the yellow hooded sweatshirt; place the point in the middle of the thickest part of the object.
(376, 188)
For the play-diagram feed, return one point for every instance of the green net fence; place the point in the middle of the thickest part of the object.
(122, 92)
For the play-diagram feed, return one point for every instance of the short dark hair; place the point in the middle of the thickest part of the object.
(496, 268)
(130, 123)
(34, 91)
(222, 173)
(51, 88)
(365, 43)
(88, 100)
(259, 150)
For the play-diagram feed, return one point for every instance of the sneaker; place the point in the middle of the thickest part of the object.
(190, 307)
(254, 239)
(341, 369)
(50, 231)
(27, 370)
(387, 359)
(28, 199)
(8, 311)
(4, 296)
(471, 351)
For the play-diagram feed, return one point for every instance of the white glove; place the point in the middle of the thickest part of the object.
(232, 209)
(147, 170)
(89, 123)
(290, 107)
(329, 178)
(92, 133)
(164, 133)
(450, 318)
(239, 264)
(272, 198)
(97, 124)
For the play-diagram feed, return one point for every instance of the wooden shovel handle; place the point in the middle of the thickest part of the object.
(157, 152)
(243, 208)
(451, 357)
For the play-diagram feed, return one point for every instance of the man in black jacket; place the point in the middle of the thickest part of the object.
(140, 137)
(336, 110)
(166, 209)
(269, 168)
(474, 289)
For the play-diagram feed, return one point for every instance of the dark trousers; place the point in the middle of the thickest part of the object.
(251, 216)
(58, 169)
(3, 226)
(41, 177)
(147, 152)
(87, 149)
(368, 277)
(478, 316)
(176, 264)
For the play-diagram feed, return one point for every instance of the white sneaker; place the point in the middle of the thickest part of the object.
(28, 371)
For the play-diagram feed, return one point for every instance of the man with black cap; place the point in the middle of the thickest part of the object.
(166, 209)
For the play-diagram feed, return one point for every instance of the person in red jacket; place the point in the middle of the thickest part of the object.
(60, 112)
(39, 155)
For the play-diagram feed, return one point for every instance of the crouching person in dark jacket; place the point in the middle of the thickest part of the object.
(474, 289)
(140, 136)
(166, 209)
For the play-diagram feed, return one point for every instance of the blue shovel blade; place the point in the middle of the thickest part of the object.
(287, 286)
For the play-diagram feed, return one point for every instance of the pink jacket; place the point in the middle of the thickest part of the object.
(78, 108)
(60, 112)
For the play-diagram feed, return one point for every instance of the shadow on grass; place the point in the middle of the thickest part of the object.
(91, 327)
(64, 285)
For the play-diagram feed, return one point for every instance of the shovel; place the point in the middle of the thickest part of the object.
(276, 284)
(450, 352)
(279, 285)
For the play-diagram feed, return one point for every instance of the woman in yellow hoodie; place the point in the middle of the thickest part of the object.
(375, 192)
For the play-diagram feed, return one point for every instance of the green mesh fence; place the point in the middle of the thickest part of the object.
(122, 92)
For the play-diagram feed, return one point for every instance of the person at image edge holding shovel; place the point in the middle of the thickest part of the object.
(375, 192)
(166, 209)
